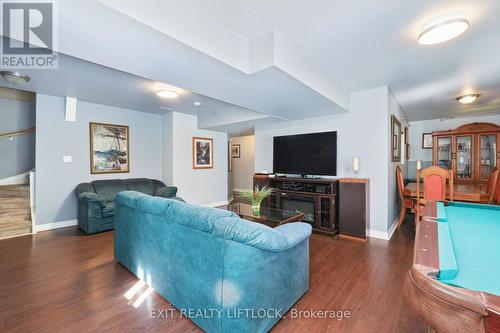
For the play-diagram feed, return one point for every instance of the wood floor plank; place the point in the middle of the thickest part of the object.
(65, 281)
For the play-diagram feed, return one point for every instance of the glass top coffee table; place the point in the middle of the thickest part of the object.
(271, 217)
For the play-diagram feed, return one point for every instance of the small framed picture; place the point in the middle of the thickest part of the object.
(203, 153)
(396, 139)
(427, 141)
(235, 151)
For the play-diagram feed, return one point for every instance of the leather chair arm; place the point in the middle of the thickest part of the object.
(89, 196)
(166, 192)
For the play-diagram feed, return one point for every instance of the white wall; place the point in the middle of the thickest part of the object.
(200, 186)
(167, 148)
(243, 167)
(426, 126)
(55, 137)
(393, 203)
(363, 132)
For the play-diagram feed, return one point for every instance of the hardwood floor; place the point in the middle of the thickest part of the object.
(63, 281)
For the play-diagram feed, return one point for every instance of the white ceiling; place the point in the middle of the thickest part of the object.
(284, 59)
(356, 45)
(365, 44)
(103, 85)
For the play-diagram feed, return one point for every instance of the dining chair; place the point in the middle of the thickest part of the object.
(492, 185)
(405, 203)
(434, 187)
(496, 193)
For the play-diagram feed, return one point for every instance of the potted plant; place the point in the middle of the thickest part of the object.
(256, 196)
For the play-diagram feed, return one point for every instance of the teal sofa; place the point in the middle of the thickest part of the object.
(96, 206)
(224, 273)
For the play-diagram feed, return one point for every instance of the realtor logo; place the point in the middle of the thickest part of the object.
(28, 35)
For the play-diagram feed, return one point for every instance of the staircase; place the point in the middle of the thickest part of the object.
(15, 216)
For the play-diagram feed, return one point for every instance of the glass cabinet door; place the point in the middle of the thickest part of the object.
(463, 157)
(444, 152)
(487, 155)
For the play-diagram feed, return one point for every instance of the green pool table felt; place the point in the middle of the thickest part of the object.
(469, 246)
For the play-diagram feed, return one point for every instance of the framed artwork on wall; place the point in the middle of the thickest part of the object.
(235, 151)
(427, 141)
(109, 148)
(203, 153)
(396, 139)
(407, 145)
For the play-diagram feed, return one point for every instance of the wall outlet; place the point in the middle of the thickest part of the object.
(67, 159)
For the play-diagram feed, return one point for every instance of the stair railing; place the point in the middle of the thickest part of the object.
(12, 135)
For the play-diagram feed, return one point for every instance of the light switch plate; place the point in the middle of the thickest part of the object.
(67, 159)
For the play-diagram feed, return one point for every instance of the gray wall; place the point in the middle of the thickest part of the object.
(17, 156)
(393, 202)
(55, 180)
(363, 132)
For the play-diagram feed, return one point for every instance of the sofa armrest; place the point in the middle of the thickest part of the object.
(89, 196)
(166, 192)
(295, 233)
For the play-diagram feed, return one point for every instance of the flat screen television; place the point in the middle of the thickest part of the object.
(306, 154)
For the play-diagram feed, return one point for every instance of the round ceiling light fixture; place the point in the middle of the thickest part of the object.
(15, 77)
(197, 103)
(467, 99)
(443, 29)
(165, 93)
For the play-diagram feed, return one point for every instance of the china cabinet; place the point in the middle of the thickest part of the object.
(471, 151)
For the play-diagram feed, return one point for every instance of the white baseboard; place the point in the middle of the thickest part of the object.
(385, 235)
(54, 225)
(377, 234)
(240, 189)
(16, 180)
(215, 204)
(393, 227)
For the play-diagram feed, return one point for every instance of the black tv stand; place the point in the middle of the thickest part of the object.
(301, 176)
(317, 198)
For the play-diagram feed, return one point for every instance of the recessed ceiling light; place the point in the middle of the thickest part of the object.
(197, 103)
(164, 93)
(443, 29)
(15, 77)
(467, 99)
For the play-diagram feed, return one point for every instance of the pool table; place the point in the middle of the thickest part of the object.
(454, 282)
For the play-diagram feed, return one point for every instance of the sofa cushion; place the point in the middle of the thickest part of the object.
(109, 188)
(108, 209)
(142, 185)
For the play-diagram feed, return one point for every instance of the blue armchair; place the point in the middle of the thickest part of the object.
(96, 205)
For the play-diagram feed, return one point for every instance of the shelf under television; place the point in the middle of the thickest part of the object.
(305, 193)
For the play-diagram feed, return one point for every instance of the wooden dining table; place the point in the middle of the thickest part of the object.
(461, 192)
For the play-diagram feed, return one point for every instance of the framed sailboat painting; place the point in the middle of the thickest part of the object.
(109, 148)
